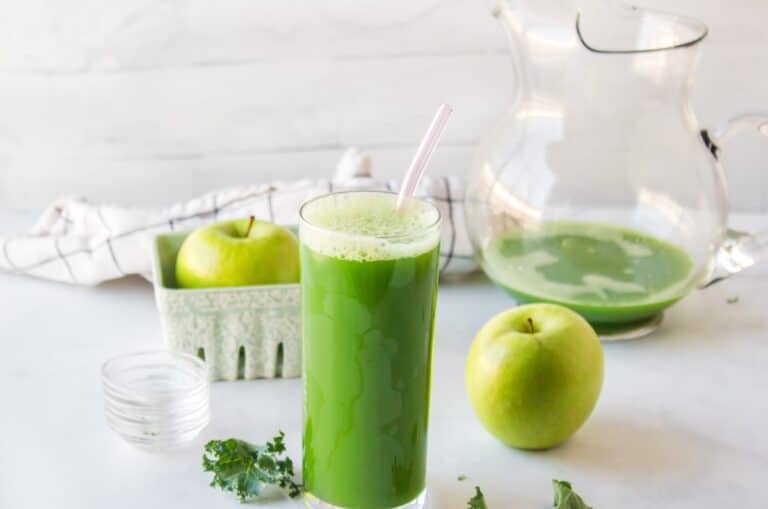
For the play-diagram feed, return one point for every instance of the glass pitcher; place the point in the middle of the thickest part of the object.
(598, 189)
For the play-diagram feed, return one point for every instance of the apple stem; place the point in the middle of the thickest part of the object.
(530, 325)
(250, 225)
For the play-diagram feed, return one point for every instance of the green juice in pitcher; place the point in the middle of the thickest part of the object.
(608, 274)
(369, 286)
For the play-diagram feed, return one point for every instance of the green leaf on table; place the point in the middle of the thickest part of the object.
(565, 497)
(245, 469)
(477, 501)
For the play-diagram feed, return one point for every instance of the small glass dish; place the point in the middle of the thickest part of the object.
(156, 400)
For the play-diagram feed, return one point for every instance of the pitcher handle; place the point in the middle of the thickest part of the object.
(739, 250)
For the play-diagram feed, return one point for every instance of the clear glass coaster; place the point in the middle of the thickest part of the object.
(156, 400)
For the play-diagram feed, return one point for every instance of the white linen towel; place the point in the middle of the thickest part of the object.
(82, 243)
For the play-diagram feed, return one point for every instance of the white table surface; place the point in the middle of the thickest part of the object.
(682, 421)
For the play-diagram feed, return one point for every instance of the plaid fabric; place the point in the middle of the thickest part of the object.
(78, 242)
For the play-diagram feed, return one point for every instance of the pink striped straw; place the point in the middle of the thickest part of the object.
(423, 155)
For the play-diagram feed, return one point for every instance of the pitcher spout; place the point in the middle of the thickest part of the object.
(577, 50)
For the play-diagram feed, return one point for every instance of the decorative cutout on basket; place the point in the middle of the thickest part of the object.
(242, 333)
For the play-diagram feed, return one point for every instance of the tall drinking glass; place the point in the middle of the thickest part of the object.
(369, 288)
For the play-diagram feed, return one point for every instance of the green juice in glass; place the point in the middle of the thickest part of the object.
(369, 287)
(608, 274)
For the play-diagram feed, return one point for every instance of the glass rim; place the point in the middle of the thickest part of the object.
(112, 367)
(702, 31)
(417, 233)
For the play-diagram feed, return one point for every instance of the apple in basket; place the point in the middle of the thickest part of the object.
(240, 252)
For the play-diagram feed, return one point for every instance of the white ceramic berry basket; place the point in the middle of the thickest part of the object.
(242, 332)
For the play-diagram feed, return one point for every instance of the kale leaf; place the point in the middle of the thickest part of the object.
(565, 497)
(245, 469)
(477, 501)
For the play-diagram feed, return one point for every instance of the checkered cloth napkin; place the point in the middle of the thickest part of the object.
(82, 243)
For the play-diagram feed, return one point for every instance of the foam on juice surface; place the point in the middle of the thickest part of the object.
(527, 263)
(365, 226)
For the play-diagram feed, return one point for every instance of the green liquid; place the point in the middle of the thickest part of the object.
(607, 274)
(367, 348)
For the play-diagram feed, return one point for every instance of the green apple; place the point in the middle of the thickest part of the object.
(238, 253)
(533, 375)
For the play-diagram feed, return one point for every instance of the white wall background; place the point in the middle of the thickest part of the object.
(150, 101)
